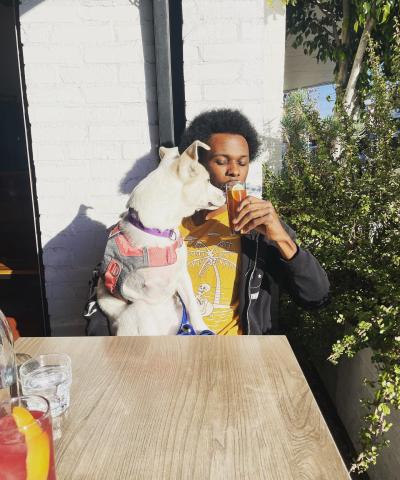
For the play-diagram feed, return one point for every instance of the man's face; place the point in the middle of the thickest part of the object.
(227, 160)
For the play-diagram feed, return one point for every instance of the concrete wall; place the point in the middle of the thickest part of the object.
(233, 54)
(345, 386)
(302, 71)
(90, 76)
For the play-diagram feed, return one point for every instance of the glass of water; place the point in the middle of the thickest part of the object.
(48, 375)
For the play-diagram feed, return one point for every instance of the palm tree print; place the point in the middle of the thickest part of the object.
(208, 257)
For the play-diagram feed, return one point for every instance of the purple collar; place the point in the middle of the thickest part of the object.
(134, 219)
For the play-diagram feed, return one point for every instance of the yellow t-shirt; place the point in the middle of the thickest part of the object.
(213, 264)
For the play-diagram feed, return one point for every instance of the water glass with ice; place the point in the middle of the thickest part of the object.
(49, 375)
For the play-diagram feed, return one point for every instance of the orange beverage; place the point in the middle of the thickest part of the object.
(235, 194)
(26, 439)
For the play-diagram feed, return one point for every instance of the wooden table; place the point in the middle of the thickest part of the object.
(189, 408)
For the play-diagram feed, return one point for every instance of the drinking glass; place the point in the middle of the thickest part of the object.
(235, 193)
(48, 375)
(26, 440)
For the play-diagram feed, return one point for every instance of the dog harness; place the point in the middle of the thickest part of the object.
(186, 328)
(121, 259)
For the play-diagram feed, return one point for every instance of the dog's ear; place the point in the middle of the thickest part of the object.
(187, 165)
(162, 152)
(192, 152)
(168, 155)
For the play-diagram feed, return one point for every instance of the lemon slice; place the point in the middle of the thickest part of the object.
(37, 444)
(238, 192)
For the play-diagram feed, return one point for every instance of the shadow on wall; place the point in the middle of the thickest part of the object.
(71, 255)
(69, 258)
(140, 169)
(27, 5)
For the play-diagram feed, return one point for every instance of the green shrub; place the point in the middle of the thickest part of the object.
(345, 208)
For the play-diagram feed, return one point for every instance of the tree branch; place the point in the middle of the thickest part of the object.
(346, 23)
(349, 96)
(343, 43)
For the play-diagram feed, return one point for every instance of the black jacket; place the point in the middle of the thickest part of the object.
(264, 274)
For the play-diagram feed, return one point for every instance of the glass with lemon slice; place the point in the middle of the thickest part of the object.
(235, 193)
(26, 440)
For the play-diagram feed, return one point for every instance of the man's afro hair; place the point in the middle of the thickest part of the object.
(222, 120)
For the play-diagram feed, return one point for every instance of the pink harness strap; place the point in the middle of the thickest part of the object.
(156, 256)
(111, 277)
(121, 258)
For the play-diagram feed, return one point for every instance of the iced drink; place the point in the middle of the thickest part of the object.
(26, 440)
(235, 194)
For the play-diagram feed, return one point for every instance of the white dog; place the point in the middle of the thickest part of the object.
(144, 267)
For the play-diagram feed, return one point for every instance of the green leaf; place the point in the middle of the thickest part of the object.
(385, 12)
(385, 409)
(366, 7)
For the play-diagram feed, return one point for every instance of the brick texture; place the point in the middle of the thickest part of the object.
(93, 114)
(234, 57)
(91, 87)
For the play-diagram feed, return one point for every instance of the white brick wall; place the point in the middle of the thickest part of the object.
(87, 90)
(89, 67)
(234, 57)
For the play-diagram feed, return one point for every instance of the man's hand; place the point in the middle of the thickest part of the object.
(256, 214)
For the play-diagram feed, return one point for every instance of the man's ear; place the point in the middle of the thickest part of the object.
(192, 151)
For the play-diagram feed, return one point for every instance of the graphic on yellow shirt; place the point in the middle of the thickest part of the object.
(213, 256)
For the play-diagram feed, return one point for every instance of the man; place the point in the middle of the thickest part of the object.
(237, 278)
